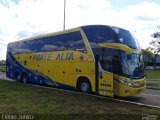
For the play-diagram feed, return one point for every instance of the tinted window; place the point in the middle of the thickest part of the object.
(27, 46)
(68, 41)
(103, 34)
(132, 65)
(99, 34)
(106, 58)
(126, 38)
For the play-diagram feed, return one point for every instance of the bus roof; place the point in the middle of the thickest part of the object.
(63, 32)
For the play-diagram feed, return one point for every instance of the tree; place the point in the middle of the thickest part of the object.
(155, 44)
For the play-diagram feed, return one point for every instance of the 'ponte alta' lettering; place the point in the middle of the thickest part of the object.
(67, 56)
(39, 57)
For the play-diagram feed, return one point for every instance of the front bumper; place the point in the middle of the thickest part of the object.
(126, 89)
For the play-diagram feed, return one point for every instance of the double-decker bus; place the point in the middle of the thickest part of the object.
(102, 59)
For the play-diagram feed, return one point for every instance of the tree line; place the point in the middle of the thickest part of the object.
(155, 44)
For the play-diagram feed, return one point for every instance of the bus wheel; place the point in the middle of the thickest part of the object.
(24, 78)
(18, 77)
(84, 86)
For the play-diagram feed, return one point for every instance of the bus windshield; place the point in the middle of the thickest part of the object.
(120, 63)
(132, 65)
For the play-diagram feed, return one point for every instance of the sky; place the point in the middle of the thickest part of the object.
(20, 19)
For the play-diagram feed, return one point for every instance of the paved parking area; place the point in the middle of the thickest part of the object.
(3, 76)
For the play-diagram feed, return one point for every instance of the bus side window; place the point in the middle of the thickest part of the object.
(67, 41)
(75, 42)
(106, 63)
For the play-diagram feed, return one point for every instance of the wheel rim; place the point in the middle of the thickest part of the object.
(84, 87)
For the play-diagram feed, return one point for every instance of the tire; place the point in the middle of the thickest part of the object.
(18, 77)
(24, 78)
(84, 86)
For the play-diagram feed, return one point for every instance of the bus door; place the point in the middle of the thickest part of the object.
(104, 79)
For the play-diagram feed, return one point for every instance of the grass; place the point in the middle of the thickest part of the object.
(17, 98)
(152, 74)
(156, 85)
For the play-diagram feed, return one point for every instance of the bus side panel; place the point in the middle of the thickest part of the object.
(35, 75)
(106, 84)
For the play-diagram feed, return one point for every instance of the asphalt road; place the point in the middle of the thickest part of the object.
(3, 76)
(149, 97)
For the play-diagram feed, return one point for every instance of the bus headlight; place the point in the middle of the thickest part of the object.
(125, 83)
(138, 85)
(130, 85)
